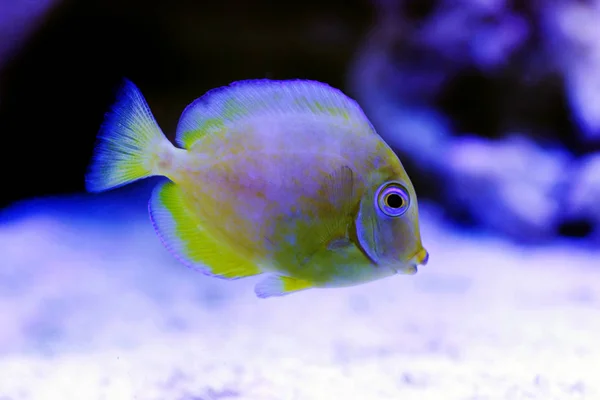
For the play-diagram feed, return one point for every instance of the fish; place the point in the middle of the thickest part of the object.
(282, 178)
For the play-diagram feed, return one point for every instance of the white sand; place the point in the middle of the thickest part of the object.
(101, 311)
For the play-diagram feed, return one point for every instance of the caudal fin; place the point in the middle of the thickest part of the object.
(128, 144)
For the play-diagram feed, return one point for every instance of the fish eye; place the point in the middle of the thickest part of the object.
(393, 199)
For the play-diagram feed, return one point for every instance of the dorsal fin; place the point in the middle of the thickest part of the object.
(222, 107)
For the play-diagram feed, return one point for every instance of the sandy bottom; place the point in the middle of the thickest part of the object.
(92, 307)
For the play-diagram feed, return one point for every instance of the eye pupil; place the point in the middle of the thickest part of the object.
(394, 200)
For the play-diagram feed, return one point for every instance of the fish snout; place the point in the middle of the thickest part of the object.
(421, 257)
(425, 257)
(411, 267)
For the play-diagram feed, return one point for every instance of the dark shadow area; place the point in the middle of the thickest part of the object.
(57, 89)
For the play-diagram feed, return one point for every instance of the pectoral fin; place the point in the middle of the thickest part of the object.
(340, 192)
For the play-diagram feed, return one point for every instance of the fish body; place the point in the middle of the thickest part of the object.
(286, 178)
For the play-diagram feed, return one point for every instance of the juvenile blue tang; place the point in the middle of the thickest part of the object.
(285, 178)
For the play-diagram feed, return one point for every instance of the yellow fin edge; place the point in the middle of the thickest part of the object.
(183, 235)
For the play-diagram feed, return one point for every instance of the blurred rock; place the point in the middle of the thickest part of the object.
(510, 185)
(583, 202)
(482, 33)
(448, 84)
(572, 35)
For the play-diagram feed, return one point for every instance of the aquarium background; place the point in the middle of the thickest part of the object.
(494, 109)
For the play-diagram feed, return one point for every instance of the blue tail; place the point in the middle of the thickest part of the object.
(128, 143)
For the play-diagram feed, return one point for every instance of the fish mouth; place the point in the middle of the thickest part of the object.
(421, 257)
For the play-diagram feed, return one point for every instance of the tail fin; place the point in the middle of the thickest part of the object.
(128, 143)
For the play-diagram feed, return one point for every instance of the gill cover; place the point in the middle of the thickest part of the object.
(368, 227)
(378, 222)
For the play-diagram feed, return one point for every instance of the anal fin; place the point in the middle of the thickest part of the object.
(276, 285)
(183, 235)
